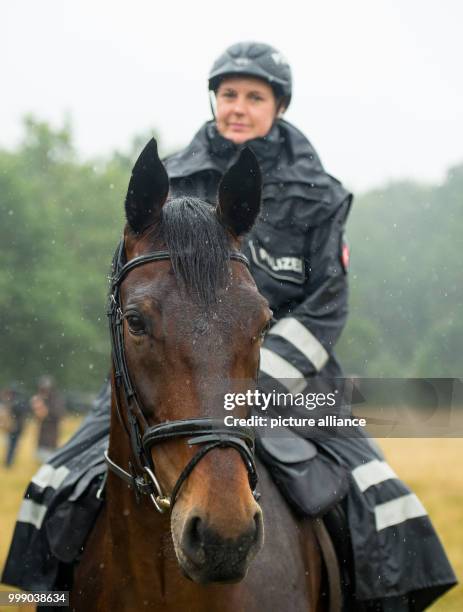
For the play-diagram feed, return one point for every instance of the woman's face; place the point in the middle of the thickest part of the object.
(246, 108)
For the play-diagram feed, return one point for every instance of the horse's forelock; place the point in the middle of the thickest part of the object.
(198, 244)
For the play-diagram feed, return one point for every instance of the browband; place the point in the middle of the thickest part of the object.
(160, 256)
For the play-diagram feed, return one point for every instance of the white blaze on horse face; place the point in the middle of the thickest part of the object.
(246, 108)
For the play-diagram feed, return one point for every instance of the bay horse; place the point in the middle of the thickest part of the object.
(186, 318)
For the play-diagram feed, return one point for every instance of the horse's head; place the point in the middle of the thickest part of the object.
(192, 325)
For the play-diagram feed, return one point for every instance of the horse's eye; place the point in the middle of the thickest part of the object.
(136, 324)
(263, 332)
(266, 328)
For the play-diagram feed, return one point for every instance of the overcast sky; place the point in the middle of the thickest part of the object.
(378, 84)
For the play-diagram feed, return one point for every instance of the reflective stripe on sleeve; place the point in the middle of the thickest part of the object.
(398, 510)
(31, 512)
(372, 473)
(294, 332)
(48, 476)
(275, 366)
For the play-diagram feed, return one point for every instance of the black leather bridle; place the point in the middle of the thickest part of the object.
(209, 432)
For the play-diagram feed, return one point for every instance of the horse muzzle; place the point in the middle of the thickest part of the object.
(206, 556)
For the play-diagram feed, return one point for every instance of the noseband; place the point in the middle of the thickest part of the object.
(210, 433)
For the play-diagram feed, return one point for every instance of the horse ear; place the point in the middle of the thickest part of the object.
(240, 192)
(148, 189)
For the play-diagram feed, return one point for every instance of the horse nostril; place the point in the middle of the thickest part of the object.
(193, 540)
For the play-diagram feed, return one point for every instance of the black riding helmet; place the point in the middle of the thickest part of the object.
(257, 60)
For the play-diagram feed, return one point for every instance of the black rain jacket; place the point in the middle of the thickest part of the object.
(295, 248)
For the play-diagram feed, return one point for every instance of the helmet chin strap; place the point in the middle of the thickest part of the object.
(213, 104)
(278, 115)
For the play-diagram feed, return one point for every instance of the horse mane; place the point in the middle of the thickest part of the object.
(198, 244)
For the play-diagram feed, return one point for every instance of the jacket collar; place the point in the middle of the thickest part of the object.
(267, 148)
(209, 150)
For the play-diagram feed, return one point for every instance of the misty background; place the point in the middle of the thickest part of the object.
(378, 91)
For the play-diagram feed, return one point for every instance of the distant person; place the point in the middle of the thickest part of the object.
(5, 415)
(15, 402)
(48, 406)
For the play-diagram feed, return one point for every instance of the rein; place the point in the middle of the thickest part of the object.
(211, 433)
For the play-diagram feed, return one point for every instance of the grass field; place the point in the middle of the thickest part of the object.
(431, 467)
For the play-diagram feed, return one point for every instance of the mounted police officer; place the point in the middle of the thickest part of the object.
(299, 260)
